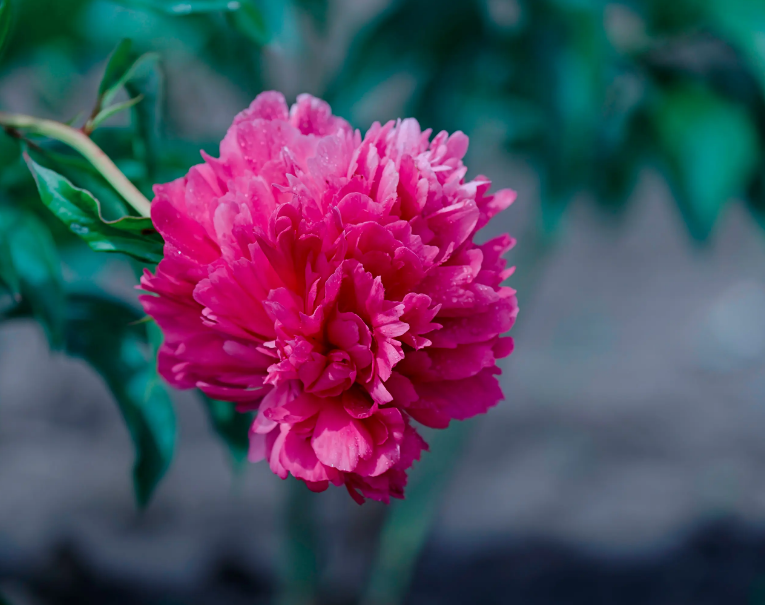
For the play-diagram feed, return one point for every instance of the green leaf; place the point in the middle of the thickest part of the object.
(81, 212)
(75, 118)
(5, 23)
(317, 9)
(9, 276)
(231, 426)
(186, 7)
(243, 15)
(107, 113)
(742, 22)
(102, 332)
(80, 171)
(250, 21)
(145, 139)
(123, 66)
(674, 17)
(711, 149)
(35, 261)
(119, 63)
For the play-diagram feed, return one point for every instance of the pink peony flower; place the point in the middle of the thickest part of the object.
(331, 282)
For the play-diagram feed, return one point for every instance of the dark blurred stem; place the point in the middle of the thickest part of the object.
(79, 141)
(300, 570)
(409, 521)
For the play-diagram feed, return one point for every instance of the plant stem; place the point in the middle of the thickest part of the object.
(299, 581)
(408, 524)
(79, 141)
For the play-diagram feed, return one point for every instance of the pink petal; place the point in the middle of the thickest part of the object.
(339, 440)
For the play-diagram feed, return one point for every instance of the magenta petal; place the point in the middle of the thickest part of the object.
(299, 458)
(331, 283)
(358, 403)
(457, 399)
(298, 409)
(257, 451)
(339, 440)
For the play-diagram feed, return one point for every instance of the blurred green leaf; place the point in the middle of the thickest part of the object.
(231, 426)
(250, 21)
(112, 110)
(102, 332)
(5, 23)
(186, 7)
(36, 263)
(9, 276)
(675, 17)
(621, 149)
(317, 9)
(743, 23)
(117, 66)
(146, 118)
(81, 212)
(123, 66)
(711, 148)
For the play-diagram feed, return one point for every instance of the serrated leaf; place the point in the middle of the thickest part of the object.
(112, 110)
(101, 331)
(185, 7)
(36, 263)
(711, 149)
(81, 212)
(231, 426)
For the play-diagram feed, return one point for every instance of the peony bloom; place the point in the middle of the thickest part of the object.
(331, 282)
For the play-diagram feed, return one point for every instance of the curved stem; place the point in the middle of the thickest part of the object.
(79, 141)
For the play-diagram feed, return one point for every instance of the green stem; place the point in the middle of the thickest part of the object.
(299, 581)
(408, 524)
(79, 141)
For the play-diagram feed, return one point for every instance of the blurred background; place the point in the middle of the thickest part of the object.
(627, 465)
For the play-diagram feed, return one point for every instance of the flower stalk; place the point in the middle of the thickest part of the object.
(79, 141)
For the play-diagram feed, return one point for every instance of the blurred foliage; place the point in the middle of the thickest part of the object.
(231, 426)
(104, 333)
(32, 272)
(590, 91)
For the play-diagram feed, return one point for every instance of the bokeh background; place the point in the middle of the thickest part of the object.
(627, 465)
